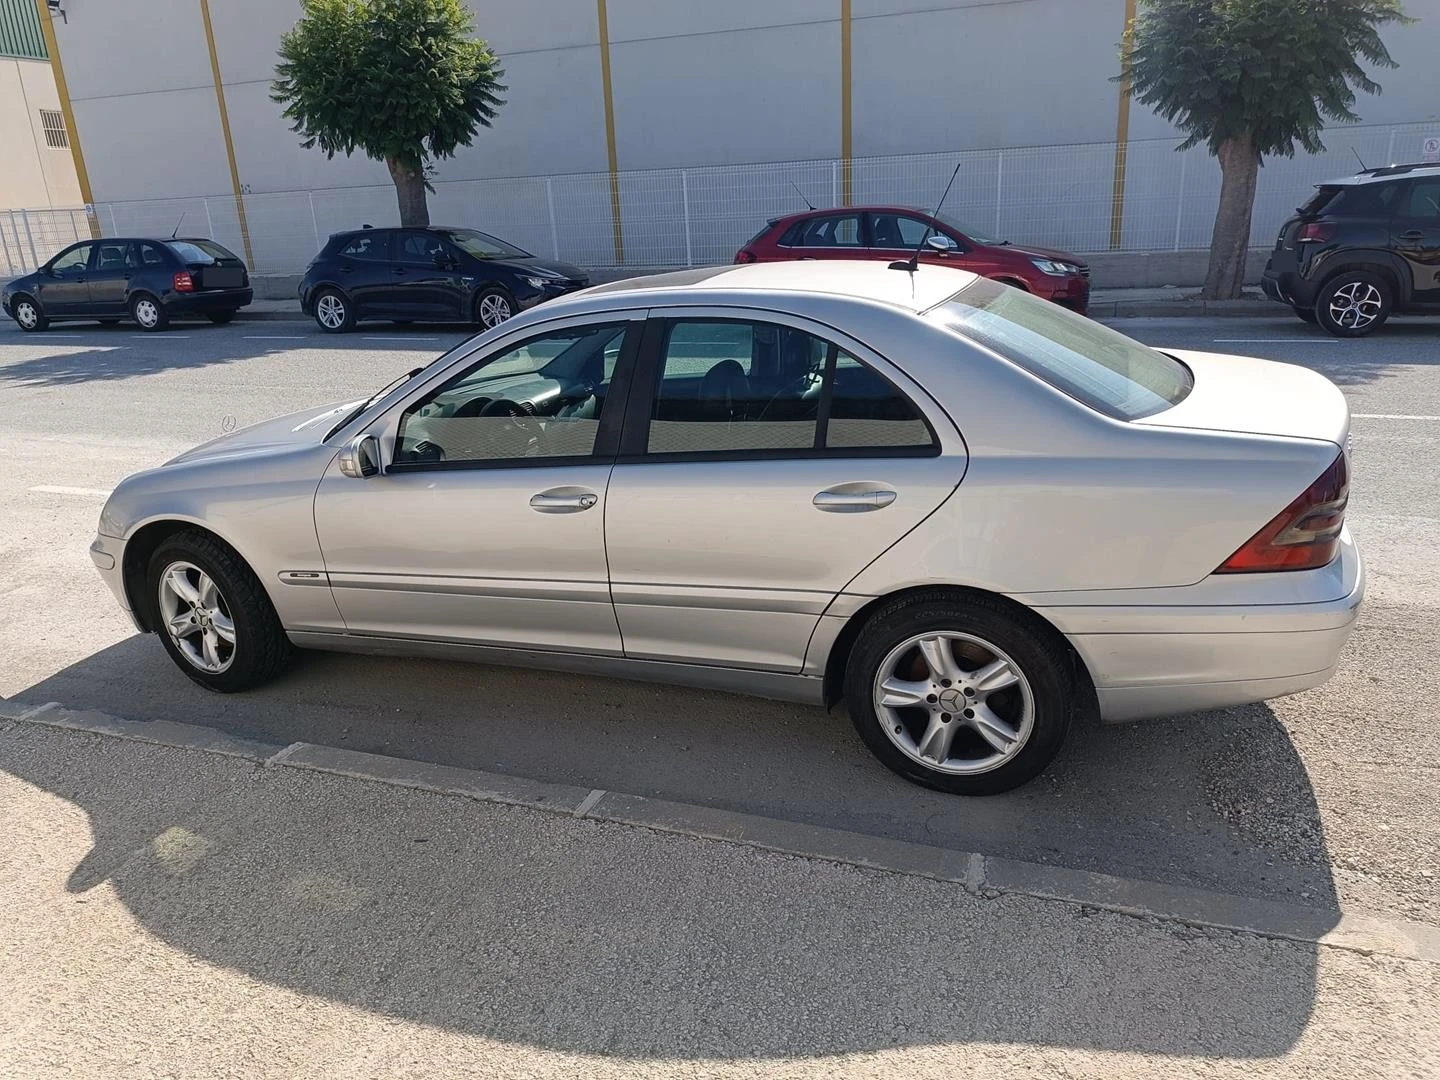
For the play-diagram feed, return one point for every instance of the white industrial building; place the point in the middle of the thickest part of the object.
(866, 99)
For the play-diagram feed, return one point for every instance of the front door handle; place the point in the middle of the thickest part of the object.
(397, 270)
(1412, 234)
(563, 501)
(852, 502)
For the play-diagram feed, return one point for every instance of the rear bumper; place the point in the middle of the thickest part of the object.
(1164, 660)
(201, 303)
(1287, 287)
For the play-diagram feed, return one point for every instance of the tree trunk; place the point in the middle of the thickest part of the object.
(410, 191)
(1230, 241)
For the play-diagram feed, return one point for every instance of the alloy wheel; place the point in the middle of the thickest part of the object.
(494, 310)
(330, 310)
(197, 617)
(26, 314)
(954, 703)
(1356, 305)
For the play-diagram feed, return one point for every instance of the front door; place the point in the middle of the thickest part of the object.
(114, 263)
(426, 279)
(895, 236)
(764, 465)
(1416, 229)
(64, 285)
(486, 526)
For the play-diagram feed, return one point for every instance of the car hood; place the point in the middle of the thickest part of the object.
(1030, 251)
(534, 262)
(295, 429)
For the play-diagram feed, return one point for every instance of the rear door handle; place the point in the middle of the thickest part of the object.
(852, 502)
(563, 501)
(397, 270)
(1412, 234)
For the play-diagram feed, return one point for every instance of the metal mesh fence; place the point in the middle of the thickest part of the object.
(1059, 196)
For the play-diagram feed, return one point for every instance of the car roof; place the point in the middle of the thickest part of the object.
(861, 280)
(872, 209)
(1383, 175)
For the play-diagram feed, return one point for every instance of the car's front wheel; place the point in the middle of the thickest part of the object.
(333, 312)
(960, 693)
(148, 312)
(493, 306)
(1354, 304)
(28, 314)
(213, 616)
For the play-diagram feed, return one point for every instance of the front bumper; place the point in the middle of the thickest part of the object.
(1165, 660)
(108, 555)
(1071, 292)
(529, 297)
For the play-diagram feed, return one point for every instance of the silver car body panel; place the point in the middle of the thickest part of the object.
(723, 573)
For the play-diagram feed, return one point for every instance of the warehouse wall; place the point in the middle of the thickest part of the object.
(33, 175)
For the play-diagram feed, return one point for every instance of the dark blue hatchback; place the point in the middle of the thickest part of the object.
(146, 280)
(431, 274)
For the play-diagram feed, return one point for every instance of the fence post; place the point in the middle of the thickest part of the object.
(1180, 198)
(834, 183)
(314, 223)
(1390, 155)
(209, 221)
(30, 237)
(550, 203)
(10, 267)
(114, 229)
(685, 198)
(999, 188)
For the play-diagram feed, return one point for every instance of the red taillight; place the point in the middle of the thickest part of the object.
(744, 256)
(1303, 536)
(1316, 232)
(183, 281)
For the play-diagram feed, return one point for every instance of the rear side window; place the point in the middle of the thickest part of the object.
(205, 252)
(365, 246)
(839, 230)
(152, 255)
(1095, 365)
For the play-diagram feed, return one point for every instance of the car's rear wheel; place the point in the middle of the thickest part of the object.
(1354, 304)
(148, 312)
(1305, 314)
(213, 616)
(960, 694)
(220, 318)
(493, 306)
(333, 312)
(28, 314)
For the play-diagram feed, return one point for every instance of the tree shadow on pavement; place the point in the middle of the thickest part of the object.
(570, 935)
(70, 363)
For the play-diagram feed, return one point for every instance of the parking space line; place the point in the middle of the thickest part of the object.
(274, 337)
(162, 337)
(61, 489)
(1389, 416)
(1268, 340)
(396, 337)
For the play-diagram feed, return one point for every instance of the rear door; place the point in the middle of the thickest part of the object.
(362, 269)
(766, 461)
(1416, 230)
(828, 236)
(64, 289)
(109, 279)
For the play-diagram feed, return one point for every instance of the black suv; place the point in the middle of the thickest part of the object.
(1361, 249)
(432, 274)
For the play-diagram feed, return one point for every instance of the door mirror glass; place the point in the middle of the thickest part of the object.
(443, 261)
(360, 457)
(940, 242)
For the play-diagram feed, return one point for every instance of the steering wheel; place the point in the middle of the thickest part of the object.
(504, 407)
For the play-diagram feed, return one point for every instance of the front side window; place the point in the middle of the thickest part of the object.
(421, 247)
(73, 261)
(837, 230)
(898, 230)
(1104, 369)
(1424, 201)
(538, 401)
(730, 387)
(367, 247)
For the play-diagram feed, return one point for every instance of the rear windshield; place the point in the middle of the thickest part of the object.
(1095, 365)
(205, 252)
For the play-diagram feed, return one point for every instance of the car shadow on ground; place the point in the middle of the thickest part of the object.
(610, 940)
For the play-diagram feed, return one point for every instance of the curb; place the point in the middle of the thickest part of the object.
(979, 874)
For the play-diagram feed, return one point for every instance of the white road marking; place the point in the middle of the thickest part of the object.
(274, 337)
(163, 337)
(396, 337)
(61, 489)
(1389, 416)
(1268, 340)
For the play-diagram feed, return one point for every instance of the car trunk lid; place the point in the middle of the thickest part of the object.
(1261, 397)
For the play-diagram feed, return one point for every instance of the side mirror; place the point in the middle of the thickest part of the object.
(360, 457)
(941, 243)
(443, 261)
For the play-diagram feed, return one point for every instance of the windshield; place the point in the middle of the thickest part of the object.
(200, 251)
(965, 230)
(1095, 365)
(484, 246)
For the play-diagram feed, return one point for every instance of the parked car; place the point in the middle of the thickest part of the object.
(891, 233)
(972, 515)
(1363, 248)
(434, 274)
(147, 280)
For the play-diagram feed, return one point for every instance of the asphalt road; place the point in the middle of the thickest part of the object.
(1326, 797)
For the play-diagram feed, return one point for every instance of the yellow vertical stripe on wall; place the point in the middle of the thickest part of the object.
(609, 96)
(846, 146)
(1122, 131)
(62, 90)
(225, 130)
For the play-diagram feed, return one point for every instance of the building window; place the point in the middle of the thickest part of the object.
(53, 121)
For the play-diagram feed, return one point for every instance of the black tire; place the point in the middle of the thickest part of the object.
(489, 302)
(32, 318)
(1033, 648)
(1306, 315)
(1360, 295)
(325, 313)
(108, 322)
(149, 313)
(220, 318)
(261, 650)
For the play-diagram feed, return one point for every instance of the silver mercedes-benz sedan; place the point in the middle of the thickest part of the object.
(969, 514)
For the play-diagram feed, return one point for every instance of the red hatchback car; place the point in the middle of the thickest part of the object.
(894, 232)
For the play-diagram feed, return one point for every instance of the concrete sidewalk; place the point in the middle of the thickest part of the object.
(174, 912)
